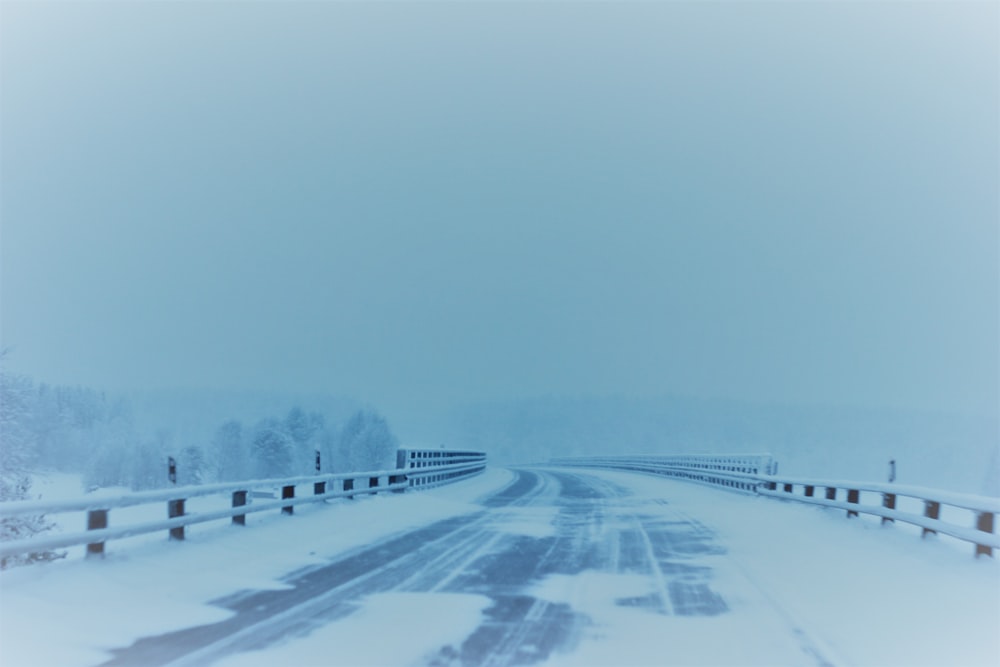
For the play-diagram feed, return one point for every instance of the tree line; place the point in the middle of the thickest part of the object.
(81, 430)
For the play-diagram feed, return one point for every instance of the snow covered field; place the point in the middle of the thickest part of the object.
(800, 585)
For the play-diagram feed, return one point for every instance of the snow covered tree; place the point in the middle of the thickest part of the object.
(229, 452)
(366, 443)
(107, 467)
(16, 451)
(298, 425)
(51, 433)
(271, 451)
(148, 466)
(190, 466)
(304, 430)
(329, 439)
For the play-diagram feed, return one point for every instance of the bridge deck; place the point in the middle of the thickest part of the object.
(581, 567)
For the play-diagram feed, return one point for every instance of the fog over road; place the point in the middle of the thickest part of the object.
(548, 530)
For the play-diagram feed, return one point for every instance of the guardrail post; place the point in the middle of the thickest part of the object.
(888, 502)
(96, 520)
(175, 508)
(239, 500)
(788, 488)
(831, 493)
(810, 489)
(401, 465)
(288, 492)
(984, 522)
(932, 510)
(349, 486)
(373, 484)
(319, 488)
(397, 479)
(852, 497)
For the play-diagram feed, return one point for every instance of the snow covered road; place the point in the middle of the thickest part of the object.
(578, 568)
(544, 527)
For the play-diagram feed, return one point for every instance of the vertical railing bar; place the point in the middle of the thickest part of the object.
(984, 523)
(239, 500)
(175, 509)
(96, 520)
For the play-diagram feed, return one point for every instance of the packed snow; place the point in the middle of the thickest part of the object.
(91, 605)
(795, 578)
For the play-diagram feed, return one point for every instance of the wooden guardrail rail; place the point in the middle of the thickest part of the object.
(293, 491)
(967, 517)
(963, 516)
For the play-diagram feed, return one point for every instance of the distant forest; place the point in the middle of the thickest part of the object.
(931, 449)
(226, 435)
(81, 430)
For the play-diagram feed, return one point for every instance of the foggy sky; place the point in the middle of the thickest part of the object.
(435, 203)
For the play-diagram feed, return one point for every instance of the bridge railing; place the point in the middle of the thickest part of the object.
(967, 517)
(244, 498)
(737, 472)
(432, 467)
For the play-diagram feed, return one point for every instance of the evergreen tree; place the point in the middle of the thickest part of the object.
(16, 451)
(190, 466)
(229, 452)
(298, 426)
(271, 451)
(148, 466)
(304, 430)
(366, 443)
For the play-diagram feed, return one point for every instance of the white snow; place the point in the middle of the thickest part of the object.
(628, 636)
(803, 585)
(92, 606)
(798, 580)
(535, 522)
(389, 629)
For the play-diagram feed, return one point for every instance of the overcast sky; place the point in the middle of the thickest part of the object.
(434, 203)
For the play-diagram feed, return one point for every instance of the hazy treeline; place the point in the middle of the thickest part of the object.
(82, 430)
(931, 449)
(15, 456)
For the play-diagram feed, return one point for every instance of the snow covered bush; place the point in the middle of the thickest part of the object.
(16, 451)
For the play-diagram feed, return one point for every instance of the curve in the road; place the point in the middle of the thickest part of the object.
(591, 525)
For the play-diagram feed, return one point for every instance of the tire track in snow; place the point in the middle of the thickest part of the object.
(325, 593)
(596, 526)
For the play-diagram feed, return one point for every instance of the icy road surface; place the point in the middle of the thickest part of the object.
(543, 527)
(554, 567)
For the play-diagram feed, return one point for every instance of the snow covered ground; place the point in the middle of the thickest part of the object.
(860, 593)
(71, 612)
(801, 585)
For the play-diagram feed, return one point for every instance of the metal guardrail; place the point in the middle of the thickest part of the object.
(757, 474)
(432, 467)
(883, 500)
(323, 487)
(737, 472)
